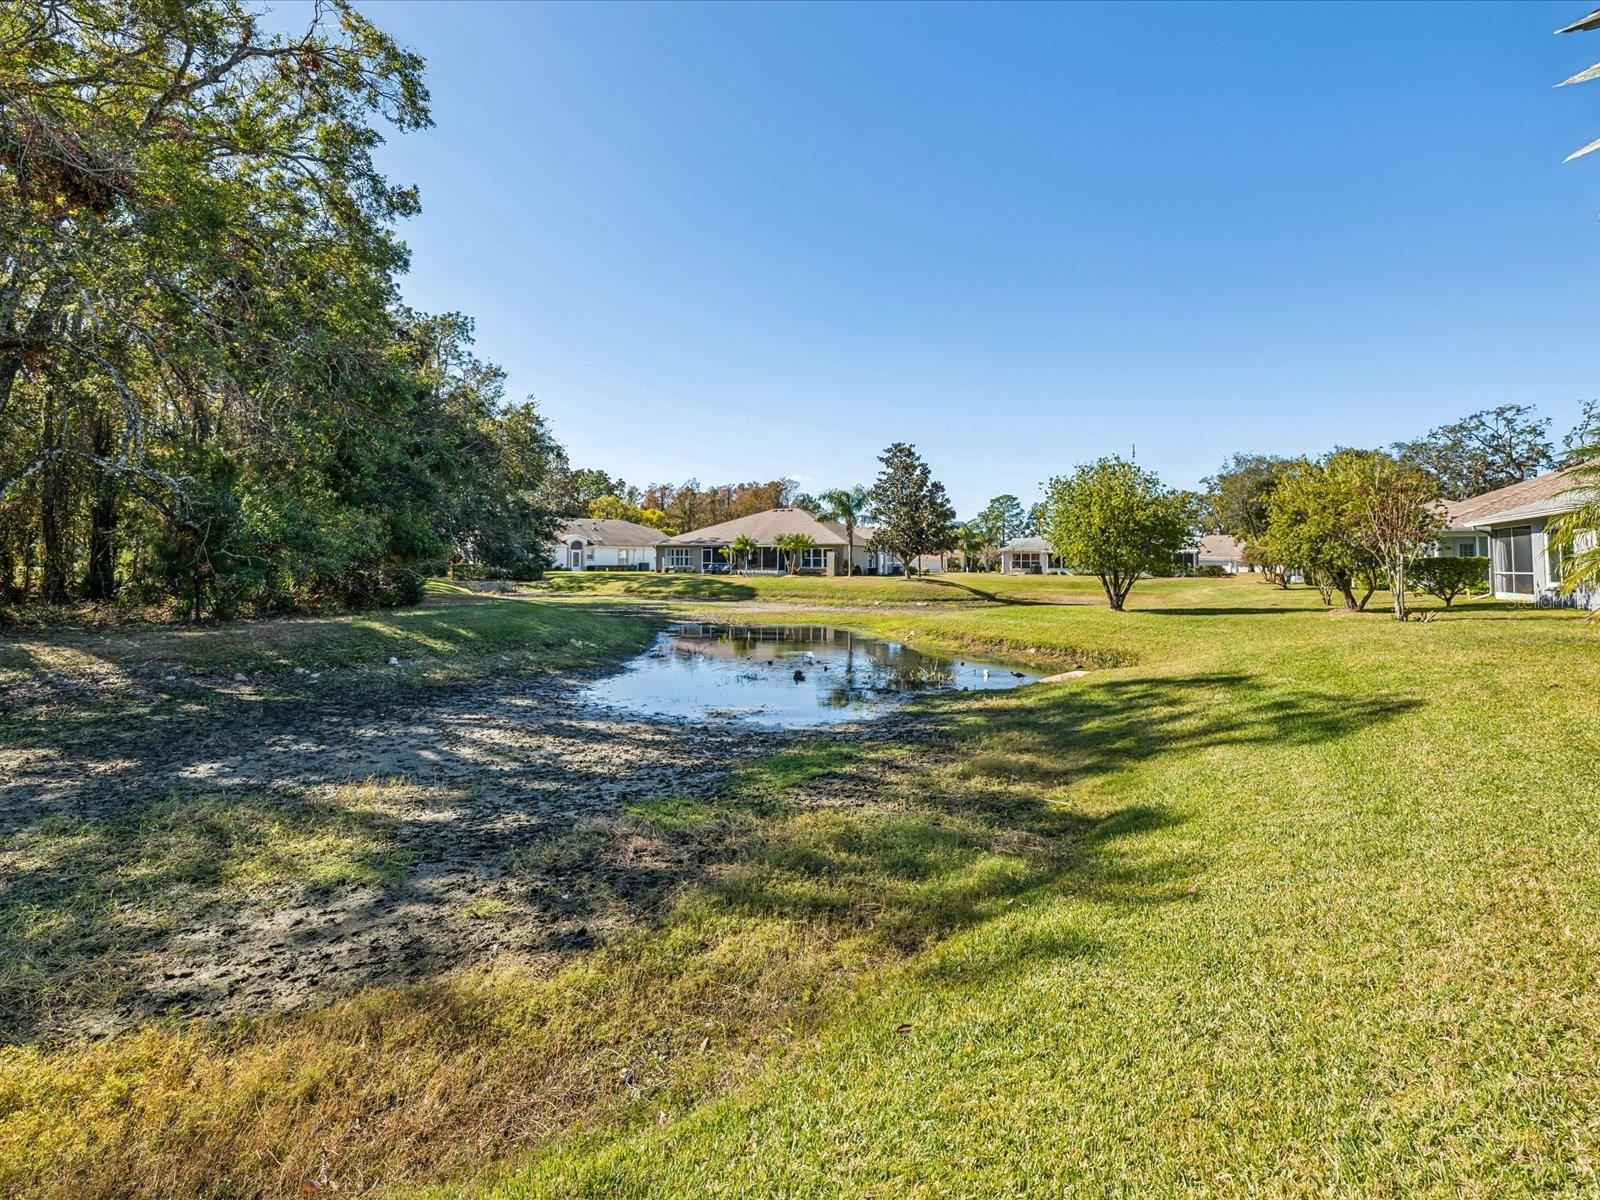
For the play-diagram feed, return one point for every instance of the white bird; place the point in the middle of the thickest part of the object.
(986, 672)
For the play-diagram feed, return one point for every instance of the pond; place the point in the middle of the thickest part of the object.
(787, 676)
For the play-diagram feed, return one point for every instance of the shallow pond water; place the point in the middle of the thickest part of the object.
(787, 676)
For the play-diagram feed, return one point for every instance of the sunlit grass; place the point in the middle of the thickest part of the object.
(1287, 903)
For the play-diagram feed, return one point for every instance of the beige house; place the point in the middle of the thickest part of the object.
(1214, 550)
(587, 544)
(1508, 526)
(1030, 556)
(709, 550)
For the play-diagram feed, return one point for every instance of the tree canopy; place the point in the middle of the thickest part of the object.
(913, 512)
(1001, 520)
(1482, 452)
(208, 386)
(1117, 521)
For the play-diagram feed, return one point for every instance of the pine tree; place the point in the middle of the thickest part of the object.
(914, 514)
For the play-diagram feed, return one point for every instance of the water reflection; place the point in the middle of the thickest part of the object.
(789, 675)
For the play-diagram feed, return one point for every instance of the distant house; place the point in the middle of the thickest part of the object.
(587, 544)
(1030, 556)
(1507, 526)
(709, 550)
(1214, 550)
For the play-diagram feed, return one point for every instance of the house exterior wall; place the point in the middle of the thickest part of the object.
(1031, 562)
(1452, 543)
(580, 554)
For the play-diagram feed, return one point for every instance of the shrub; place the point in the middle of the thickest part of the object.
(1210, 571)
(1448, 578)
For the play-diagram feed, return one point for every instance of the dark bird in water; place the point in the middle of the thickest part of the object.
(1018, 674)
(799, 676)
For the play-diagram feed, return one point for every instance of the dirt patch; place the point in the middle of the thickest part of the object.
(230, 848)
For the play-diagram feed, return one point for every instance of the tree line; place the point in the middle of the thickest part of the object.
(675, 508)
(210, 392)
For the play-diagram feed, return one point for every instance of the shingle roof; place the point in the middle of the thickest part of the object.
(1220, 545)
(1027, 546)
(766, 528)
(1542, 495)
(609, 532)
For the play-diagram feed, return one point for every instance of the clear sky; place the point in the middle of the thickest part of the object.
(737, 242)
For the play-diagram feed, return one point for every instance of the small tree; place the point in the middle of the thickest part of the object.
(1117, 521)
(914, 514)
(1312, 524)
(1448, 578)
(743, 547)
(1394, 512)
(849, 506)
(792, 545)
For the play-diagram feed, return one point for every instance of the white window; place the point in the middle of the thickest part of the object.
(622, 558)
(813, 560)
(680, 558)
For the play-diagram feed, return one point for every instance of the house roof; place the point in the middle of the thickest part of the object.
(766, 528)
(1034, 545)
(1542, 496)
(609, 532)
(1220, 546)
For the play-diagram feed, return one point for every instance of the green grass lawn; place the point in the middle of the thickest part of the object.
(1301, 904)
(953, 588)
(1288, 903)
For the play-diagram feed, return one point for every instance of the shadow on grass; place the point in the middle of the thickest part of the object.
(744, 912)
(998, 597)
(862, 835)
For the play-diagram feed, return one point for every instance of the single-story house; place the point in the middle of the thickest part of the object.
(708, 550)
(1507, 526)
(587, 544)
(1213, 550)
(1030, 556)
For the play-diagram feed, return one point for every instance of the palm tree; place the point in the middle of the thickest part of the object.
(743, 547)
(792, 545)
(973, 542)
(849, 506)
(1572, 535)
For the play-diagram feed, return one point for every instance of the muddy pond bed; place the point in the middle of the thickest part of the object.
(786, 676)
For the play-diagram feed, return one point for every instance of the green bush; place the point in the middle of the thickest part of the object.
(1448, 578)
(1211, 571)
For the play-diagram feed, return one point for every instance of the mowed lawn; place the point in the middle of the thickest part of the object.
(1286, 902)
(1323, 922)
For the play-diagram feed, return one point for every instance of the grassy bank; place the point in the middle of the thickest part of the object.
(1297, 903)
(855, 591)
(451, 628)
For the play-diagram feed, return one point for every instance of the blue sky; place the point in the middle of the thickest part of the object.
(736, 242)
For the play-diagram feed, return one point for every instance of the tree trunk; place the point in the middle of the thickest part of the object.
(1346, 588)
(1397, 583)
(53, 534)
(99, 582)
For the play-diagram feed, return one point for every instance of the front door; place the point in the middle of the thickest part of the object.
(575, 556)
